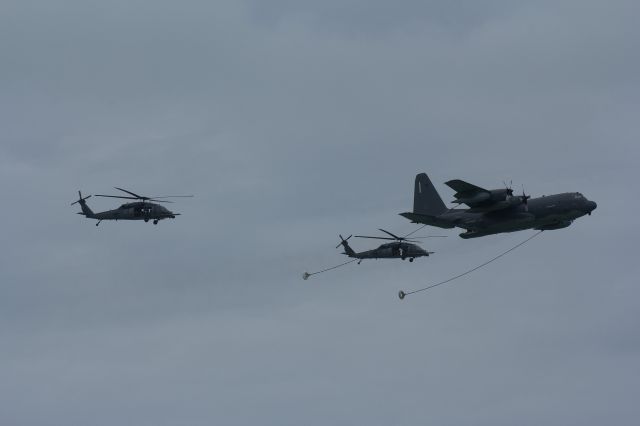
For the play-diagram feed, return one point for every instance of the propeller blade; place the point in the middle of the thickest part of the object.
(173, 196)
(525, 197)
(508, 188)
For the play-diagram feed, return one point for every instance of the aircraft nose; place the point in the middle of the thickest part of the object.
(591, 206)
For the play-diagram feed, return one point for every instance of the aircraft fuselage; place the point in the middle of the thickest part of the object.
(547, 212)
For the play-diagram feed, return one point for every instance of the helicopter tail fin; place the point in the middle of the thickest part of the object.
(347, 249)
(85, 209)
(83, 205)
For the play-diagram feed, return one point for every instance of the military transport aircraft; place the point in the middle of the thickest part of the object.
(138, 210)
(401, 248)
(494, 211)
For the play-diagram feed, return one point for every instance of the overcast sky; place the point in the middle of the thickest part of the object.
(292, 122)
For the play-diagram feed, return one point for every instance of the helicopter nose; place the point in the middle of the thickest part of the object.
(591, 206)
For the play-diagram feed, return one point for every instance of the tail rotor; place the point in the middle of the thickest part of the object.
(343, 241)
(81, 199)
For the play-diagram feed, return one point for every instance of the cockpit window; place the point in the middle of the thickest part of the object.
(578, 195)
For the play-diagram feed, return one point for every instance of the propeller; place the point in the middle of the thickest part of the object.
(342, 240)
(509, 187)
(134, 196)
(524, 199)
(80, 198)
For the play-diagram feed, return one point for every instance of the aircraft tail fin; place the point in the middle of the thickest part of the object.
(426, 200)
(347, 249)
(83, 205)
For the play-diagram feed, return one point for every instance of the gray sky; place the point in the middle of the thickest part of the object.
(293, 121)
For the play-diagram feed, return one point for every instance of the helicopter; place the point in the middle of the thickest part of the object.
(137, 210)
(400, 248)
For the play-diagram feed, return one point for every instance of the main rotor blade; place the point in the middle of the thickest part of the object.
(387, 232)
(158, 201)
(172, 196)
(375, 238)
(132, 193)
(118, 196)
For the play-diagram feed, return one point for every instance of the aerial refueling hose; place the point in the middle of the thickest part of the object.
(402, 294)
(306, 275)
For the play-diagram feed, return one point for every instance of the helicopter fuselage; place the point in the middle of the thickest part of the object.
(131, 211)
(395, 250)
(136, 211)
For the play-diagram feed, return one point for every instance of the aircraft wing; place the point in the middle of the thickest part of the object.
(468, 194)
(481, 200)
(461, 186)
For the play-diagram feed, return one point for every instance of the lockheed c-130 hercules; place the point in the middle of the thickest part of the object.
(494, 211)
(137, 210)
(401, 248)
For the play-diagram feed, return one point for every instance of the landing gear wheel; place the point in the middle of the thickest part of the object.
(411, 260)
(155, 222)
(146, 220)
